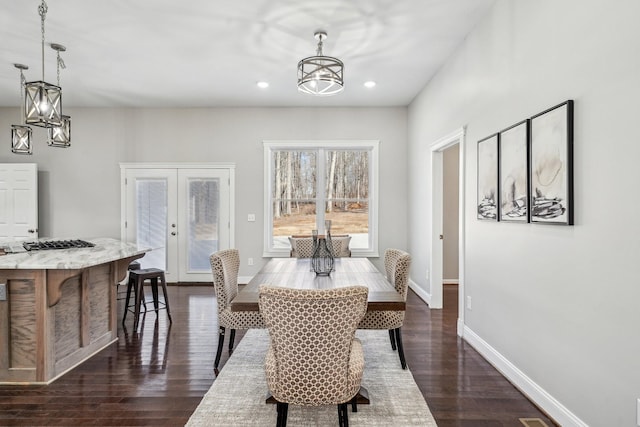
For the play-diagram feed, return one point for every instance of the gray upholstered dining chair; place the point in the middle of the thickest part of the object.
(302, 246)
(313, 357)
(224, 266)
(396, 264)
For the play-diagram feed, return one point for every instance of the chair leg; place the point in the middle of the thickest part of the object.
(403, 362)
(343, 415)
(139, 291)
(130, 286)
(392, 337)
(283, 408)
(163, 283)
(154, 292)
(354, 404)
(220, 344)
(232, 337)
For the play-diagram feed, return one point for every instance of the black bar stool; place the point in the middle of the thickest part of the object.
(136, 281)
(134, 265)
(131, 285)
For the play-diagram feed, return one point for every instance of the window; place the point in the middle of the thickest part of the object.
(308, 183)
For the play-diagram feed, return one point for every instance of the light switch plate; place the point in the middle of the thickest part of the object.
(3, 291)
(251, 217)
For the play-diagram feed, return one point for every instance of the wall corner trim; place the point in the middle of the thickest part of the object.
(560, 414)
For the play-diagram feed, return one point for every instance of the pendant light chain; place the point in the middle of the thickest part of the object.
(59, 63)
(42, 10)
(23, 81)
(319, 51)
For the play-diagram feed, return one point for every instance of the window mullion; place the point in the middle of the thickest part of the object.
(320, 190)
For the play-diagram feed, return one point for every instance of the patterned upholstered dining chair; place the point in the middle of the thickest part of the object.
(313, 357)
(302, 246)
(224, 266)
(396, 264)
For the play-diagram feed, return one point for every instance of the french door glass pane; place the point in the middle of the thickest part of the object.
(203, 209)
(151, 217)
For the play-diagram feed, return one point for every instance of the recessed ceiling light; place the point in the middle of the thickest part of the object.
(263, 85)
(369, 84)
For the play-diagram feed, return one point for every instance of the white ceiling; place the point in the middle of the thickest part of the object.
(207, 53)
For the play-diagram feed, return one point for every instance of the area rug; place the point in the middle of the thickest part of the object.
(237, 396)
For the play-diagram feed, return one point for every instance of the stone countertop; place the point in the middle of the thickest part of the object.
(105, 250)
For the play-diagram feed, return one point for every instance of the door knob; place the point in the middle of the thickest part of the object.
(31, 230)
(173, 226)
(441, 237)
(173, 233)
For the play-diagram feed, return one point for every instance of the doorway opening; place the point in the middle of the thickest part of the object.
(436, 263)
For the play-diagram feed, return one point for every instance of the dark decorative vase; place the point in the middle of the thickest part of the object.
(322, 258)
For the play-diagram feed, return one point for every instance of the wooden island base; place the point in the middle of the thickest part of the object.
(54, 319)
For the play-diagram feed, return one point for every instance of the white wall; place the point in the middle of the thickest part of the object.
(80, 186)
(558, 303)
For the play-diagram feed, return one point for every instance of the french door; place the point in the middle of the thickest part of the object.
(183, 213)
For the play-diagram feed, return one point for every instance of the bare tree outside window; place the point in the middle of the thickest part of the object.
(343, 191)
(347, 191)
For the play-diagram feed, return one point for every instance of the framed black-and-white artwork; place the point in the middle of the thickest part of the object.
(514, 173)
(488, 178)
(551, 173)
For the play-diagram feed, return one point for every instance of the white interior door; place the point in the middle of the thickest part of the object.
(19, 200)
(183, 214)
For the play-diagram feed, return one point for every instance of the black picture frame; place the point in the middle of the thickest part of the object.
(513, 170)
(551, 165)
(487, 178)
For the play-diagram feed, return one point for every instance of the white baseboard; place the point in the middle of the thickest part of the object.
(243, 280)
(424, 295)
(526, 385)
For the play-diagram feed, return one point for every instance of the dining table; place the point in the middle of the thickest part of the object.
(297, 273)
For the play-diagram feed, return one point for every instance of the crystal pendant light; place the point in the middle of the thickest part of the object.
(320, 75)
(60, 136)
(20, 134)
(43, 101)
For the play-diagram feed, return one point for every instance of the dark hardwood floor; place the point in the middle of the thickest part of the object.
(460, 386)
(158, 375)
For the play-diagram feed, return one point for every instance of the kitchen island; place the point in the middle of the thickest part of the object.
(58, 307)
